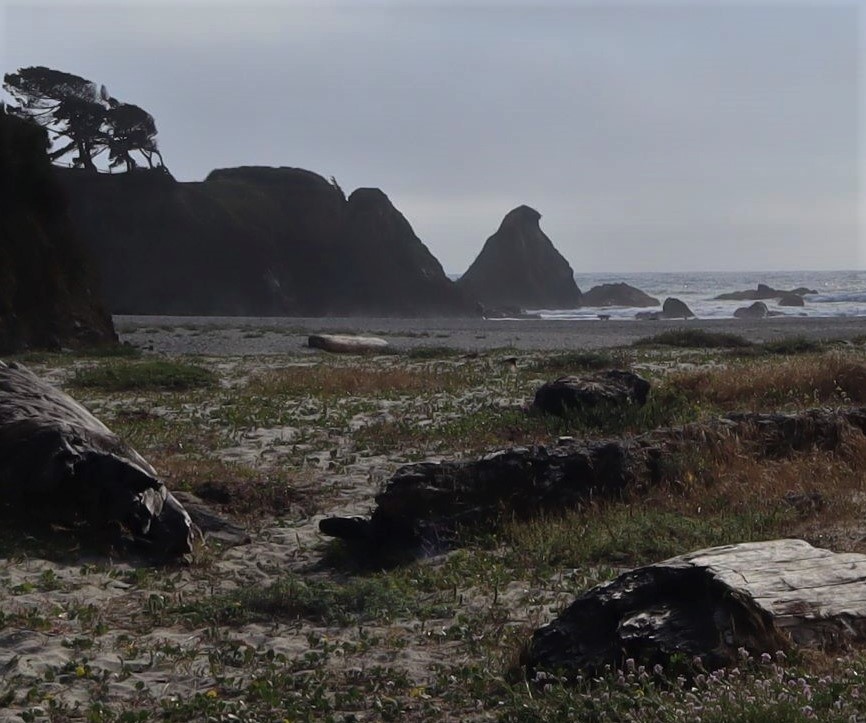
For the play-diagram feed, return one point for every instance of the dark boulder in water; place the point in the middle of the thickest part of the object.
(791, 300)
(757, 310)
(619, 294)
(762, 293)
(675, 309)
(671, 309)
(520, 267)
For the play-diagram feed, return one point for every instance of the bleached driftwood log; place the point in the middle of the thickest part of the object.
(59, 462)
(761, 596)
(346, 344)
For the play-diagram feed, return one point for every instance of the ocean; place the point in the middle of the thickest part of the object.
(838, 293)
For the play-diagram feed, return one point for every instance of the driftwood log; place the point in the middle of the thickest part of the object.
(760, 596)
(612, 388)
(425, 507)
(346, 344)
(60, 463)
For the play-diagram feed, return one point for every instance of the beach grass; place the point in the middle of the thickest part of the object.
(144, 375)
(695, 339)
(796, 381)
(285, 628)
(580, 361)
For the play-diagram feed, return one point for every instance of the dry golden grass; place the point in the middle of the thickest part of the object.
(734, 478)
(833, 378)
(240, 489)
(723, 492)
(356, 381)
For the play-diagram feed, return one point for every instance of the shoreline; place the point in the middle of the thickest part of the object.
(242, 336)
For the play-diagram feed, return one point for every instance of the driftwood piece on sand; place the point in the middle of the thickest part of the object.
(60, 463)
(612, 388)
(426, 506)
(761, 596)
(346, 344)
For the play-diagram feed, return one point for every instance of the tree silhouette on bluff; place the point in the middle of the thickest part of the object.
(83, 118)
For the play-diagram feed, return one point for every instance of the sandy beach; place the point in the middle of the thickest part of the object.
(242, 336)
(279, 628)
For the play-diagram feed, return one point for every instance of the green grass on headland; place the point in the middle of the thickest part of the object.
(145, 375)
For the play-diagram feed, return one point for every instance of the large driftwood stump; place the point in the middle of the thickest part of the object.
(59, 462)
(761, 596)
(613, 388)
(427, 506)
(424, 506)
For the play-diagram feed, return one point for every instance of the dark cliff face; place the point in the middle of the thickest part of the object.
(382, 260)
(47, 297)
(519, 266)
(255, 241)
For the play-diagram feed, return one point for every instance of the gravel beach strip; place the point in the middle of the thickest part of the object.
(233, 336)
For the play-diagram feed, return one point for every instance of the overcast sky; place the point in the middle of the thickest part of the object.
(650, 136)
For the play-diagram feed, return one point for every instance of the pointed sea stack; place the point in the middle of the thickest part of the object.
(519, 267)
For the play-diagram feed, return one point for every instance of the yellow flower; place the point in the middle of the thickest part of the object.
(211, 693)
(81, 671)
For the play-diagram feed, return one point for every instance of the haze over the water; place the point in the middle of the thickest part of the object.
(651, 136)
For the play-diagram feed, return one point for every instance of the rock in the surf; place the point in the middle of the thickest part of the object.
(756, 310)
(619, 294)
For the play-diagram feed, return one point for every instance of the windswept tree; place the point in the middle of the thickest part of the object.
(130, 129)
(69, 106)
(82, 118)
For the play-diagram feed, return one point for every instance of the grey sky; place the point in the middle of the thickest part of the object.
(651, 137)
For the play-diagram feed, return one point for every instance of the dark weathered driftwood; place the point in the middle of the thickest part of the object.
(59, 462)
(761, 596)
(424, 505)
(606, 389)
(211, 525)
(427, 505)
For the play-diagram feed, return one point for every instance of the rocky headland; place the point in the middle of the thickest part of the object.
(47, 293)
(255, 241)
